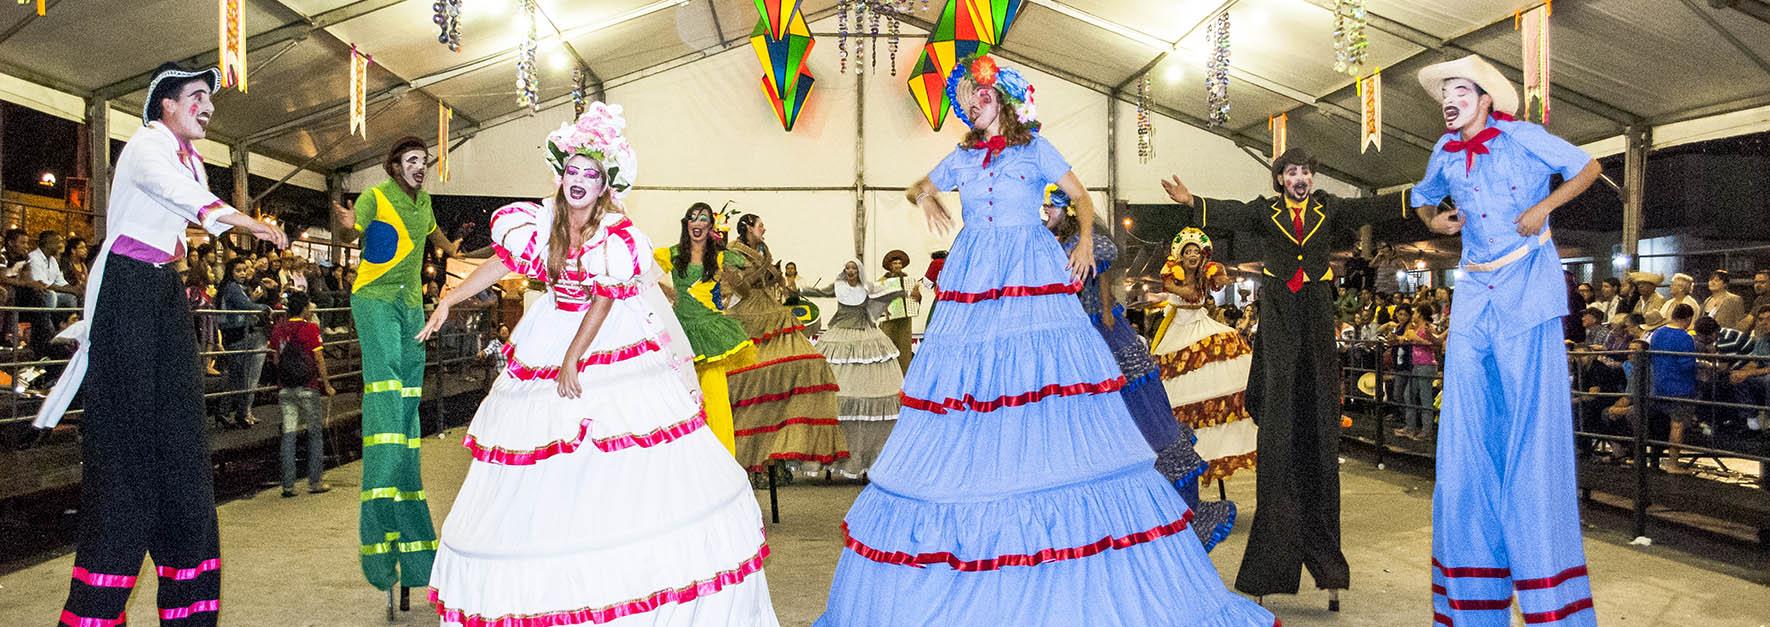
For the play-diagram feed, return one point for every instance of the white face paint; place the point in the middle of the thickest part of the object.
(1297, 180)
(1462, 102)
(981, 104)
(581, 182)
(411, 167)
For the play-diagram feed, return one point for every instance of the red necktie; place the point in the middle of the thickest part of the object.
(1476, 146)
(1297, 280)
(995, 146)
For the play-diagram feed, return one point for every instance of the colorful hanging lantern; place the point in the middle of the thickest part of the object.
(528, 81)
(783, 43)
(965, 28)
(448, 23)
(1279, 126)
(1534, 25)
(233, 44)
(444, 114)
(359, 92)
(1145, 148)
(1217, 71)
(1350, 41)
(1370, 115)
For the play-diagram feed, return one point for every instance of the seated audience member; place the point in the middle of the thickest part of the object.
(1752, 378)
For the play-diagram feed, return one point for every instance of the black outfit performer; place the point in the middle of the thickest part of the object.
(1294, 382)
(146, 478)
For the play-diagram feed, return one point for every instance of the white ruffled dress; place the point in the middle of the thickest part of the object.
(615, 508)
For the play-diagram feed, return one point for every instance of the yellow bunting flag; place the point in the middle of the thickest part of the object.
(42, 6)
(359, 95)
(1279, 126)
(1370, 112)
(233, 44)
(1534, 25)
(443, 114)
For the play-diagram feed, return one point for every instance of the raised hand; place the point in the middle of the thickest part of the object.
(1177, 190)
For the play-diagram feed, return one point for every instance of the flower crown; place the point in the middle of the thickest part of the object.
(1190, 235)
(597, 134)
(982, 70)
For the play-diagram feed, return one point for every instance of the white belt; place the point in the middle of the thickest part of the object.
(1508, 258)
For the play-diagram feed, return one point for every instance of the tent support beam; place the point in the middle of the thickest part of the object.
(98, 155)
(860, 168)
(1715, 25)
(1639, 138)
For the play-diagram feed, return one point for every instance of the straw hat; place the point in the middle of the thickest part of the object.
(1367, 384)
(1647, 277)
(1477, 70)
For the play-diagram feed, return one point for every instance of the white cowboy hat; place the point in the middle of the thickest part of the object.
(1477, 70)
(1647, 277)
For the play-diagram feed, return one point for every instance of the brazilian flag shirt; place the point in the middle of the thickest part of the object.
(393, 228)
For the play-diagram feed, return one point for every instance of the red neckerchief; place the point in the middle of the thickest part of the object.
(1475, 146)
(994, 146)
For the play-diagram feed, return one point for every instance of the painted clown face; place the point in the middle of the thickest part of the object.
(582, 182)
(1462, 103)
(411, 167)
(699, 224)
(983, 105)
(187, 114)
(1297, 180)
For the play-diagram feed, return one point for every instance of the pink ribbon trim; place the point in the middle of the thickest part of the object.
(180, 613)
(685, 594)
(73, 620)
(524, 372)
(186, 574)
(530, 457)
(101, 580)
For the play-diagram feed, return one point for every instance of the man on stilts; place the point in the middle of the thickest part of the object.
(1293, 386)
(1505, 512)
(394, 220)
(146, 483)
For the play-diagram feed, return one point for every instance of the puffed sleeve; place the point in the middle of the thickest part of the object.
(619, 261)
(515, 236)
(1052, 165)
(662, 257)
(943, 175)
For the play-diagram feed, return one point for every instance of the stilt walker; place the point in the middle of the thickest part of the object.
(719, 343)
(1292, 389)
(1505, 513)
(393, 218)
(146, 485)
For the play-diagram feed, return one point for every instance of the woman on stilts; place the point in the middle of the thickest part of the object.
(784, 406)
(719, 343)
(865, 363)
(1173, 441)
(1015, 489)
(597, 495)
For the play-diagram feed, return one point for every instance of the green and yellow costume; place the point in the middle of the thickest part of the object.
(720, 343)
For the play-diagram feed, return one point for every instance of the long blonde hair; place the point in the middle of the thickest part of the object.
(559, 243)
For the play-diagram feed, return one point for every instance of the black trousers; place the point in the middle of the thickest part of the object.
(1293, 395)
(146, 487)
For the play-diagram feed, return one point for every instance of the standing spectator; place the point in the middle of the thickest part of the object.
(1423, 343)
(1398, 354)
(1682, 284)
(1726, 307)
(15, 275)
(301, 370)
(242, 332)
(1346, 304)
(1609, 301)
(1674, 376)
(200, 295)
(1570, 326)
(1388, 269)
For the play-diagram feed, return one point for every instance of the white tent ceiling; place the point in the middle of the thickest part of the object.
(1617, 62)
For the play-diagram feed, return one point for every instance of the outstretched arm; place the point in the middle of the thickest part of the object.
(924, 194)
(487, 274)
(1215, 216)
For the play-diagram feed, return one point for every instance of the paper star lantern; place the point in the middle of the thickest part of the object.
(783, 44)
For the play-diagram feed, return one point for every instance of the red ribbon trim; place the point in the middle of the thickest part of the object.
(1471, 604)
(181, 613)
(75, 620)
(774, 362)
(1007, 292)
(815, 422)
(1471, 571)
(187, 574)
(1021, 559)
(524, 372)
(770, 398)
(777, 333)
(101, 580)
(1555, 615)
(530, 457)
(969, 403)
(685, 594)
(1550, 582)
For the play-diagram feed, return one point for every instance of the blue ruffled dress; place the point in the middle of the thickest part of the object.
(1147, 401)
(1016, 489)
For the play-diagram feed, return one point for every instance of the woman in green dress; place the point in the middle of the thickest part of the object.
(719, 342)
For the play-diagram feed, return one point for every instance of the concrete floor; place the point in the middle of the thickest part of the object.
(292, 562)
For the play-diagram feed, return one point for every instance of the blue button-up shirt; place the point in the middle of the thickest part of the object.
(1502, 185)
(1010, 191)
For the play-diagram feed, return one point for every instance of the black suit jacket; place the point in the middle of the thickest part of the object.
(1268, 221)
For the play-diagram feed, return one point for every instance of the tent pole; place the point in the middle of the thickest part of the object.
(98, 168)
(1639, 138)
(860, 167)
(1112, 162)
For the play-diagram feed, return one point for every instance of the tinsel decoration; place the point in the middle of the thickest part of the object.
(894, 25)
(860, 47)
(528, 81)
(1350, 42)
(1145, 148)
(842, 35)
(359, 92)
(783, 42)
(1535, 26)
(444, 114)
(1279, 127)
(580, 91)
(871, 13)
(1370, 115)
(448, 23)
(233, 44)
(1217, 71)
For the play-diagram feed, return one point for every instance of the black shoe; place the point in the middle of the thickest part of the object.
(288, 493)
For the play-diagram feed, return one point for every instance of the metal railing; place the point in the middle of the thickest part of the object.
(1645, 452)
